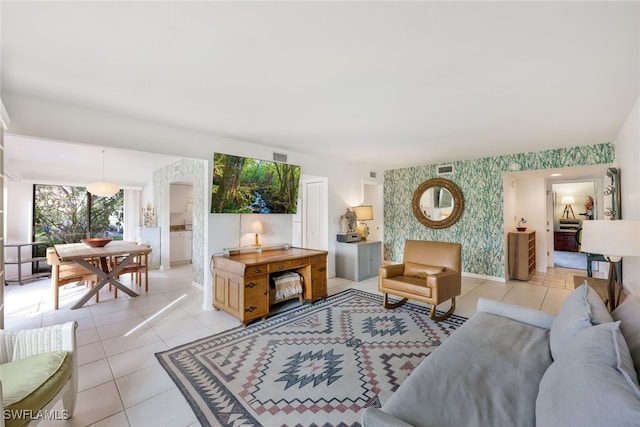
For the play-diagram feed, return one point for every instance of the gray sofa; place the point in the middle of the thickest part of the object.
(512, 366)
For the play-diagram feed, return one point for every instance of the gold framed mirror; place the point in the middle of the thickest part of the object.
(438, 203)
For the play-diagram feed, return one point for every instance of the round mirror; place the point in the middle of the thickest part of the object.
(438, 203)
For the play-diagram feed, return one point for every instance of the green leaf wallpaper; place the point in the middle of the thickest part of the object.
(481, 228)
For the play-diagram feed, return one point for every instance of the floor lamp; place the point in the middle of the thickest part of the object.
(567, 201)
(614, 239)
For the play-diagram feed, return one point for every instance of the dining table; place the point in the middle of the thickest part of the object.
(85, 255)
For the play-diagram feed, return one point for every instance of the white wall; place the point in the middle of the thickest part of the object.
(530, 205)
(628, 160)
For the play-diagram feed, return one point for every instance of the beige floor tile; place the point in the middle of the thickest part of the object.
(166, 409)
(135, 360)
(93, 374)
(90, 353)
(144, 384)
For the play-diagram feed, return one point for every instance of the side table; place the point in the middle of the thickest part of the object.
(601, 287)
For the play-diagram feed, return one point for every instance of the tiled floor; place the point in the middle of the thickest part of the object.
(120, 380)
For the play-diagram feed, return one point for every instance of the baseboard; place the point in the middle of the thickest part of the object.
(485, 277)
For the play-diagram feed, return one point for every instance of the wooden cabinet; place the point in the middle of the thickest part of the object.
(522, 254)
(358, 260)
(565, 241)
(241, 282)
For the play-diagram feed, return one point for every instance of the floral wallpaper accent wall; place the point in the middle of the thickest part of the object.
(185, 170)
(481, 228)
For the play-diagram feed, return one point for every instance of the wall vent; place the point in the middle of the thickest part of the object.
(445, 169)
(372, 174)
(279, 157)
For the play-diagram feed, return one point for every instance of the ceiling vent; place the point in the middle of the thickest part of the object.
(372, 174)
(445, 169)
(279, 157)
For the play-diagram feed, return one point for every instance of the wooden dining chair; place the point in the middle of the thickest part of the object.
(63, 273)
(138, 267)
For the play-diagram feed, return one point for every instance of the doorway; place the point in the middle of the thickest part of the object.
(572, 203)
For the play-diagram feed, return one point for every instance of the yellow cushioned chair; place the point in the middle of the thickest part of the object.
(431, 272)
(38, 367)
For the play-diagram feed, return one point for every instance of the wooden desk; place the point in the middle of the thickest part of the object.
(81, 253)
(241, 282)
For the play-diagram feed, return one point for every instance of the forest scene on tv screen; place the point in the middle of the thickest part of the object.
(246, 185)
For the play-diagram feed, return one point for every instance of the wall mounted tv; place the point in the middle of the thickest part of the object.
(246, 185)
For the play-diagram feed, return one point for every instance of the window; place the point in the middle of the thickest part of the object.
(67, 214)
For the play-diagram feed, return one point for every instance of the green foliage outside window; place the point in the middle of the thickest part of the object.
(66, 214)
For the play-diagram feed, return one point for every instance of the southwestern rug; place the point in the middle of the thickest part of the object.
(314, 365)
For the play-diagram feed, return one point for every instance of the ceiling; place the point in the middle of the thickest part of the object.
(394, 84)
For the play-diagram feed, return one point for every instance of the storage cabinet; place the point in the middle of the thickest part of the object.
(358, 260)
(318, 288)
(180, 250)
(565, 241)
(522, 254)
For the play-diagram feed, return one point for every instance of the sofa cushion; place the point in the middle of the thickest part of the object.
(485, 374)
(421, 270)
(581, 309)
(29, 384)
(628, 312)
(593, 379)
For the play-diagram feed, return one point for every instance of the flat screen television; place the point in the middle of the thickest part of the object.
(247, 185)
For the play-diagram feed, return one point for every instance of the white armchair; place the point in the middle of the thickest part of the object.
(37, 368)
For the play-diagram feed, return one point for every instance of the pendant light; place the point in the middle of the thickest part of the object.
(102, 188)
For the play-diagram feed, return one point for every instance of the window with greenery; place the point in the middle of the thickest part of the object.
(66, 214)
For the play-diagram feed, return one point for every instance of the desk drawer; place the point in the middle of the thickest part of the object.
(274, 267)
(255, 270)
(300, 262)
(318, 259)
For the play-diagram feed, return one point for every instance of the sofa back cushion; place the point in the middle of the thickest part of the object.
(628, 312)
(593, 382)
(581, 309)
(439, 254)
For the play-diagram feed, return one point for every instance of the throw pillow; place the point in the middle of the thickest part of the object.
(421, 270)
(581, 309)
(592, 382)
(628, 312)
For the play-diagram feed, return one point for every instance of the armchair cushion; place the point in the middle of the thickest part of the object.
(421, 270)
(31, 383)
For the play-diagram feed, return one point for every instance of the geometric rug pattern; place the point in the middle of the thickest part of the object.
(317, 364)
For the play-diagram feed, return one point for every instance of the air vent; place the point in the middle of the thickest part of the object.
(445, 169)
(372, 174)
(279, 157)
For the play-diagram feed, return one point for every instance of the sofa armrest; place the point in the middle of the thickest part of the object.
(521, 314)
(390, 270)
(374, 417)
(443, 279)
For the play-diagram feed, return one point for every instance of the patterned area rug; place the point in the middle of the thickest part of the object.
(315, 365)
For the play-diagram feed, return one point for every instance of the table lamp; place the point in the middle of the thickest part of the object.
(567, 201)
(614, 239)
(256, 228)
(363, 213)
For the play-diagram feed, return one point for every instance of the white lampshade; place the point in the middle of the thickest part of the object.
(363, 213)
(568, 200)
(612, 238)
(103, 189)
(256, 228)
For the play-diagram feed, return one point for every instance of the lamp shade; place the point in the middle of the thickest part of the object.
(102, 189)
(363, 213)
(611, 238)
(568, 200)
(256, 228)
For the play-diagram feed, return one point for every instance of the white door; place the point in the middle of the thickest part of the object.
(314, 214)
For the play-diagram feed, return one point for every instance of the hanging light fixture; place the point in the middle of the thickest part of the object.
(103, 188)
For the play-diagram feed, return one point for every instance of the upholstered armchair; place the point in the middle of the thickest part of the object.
(38, 367)
(431, 272)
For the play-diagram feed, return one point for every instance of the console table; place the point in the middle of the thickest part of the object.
(241, 281)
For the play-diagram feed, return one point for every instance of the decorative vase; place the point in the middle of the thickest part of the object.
(148, 216)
